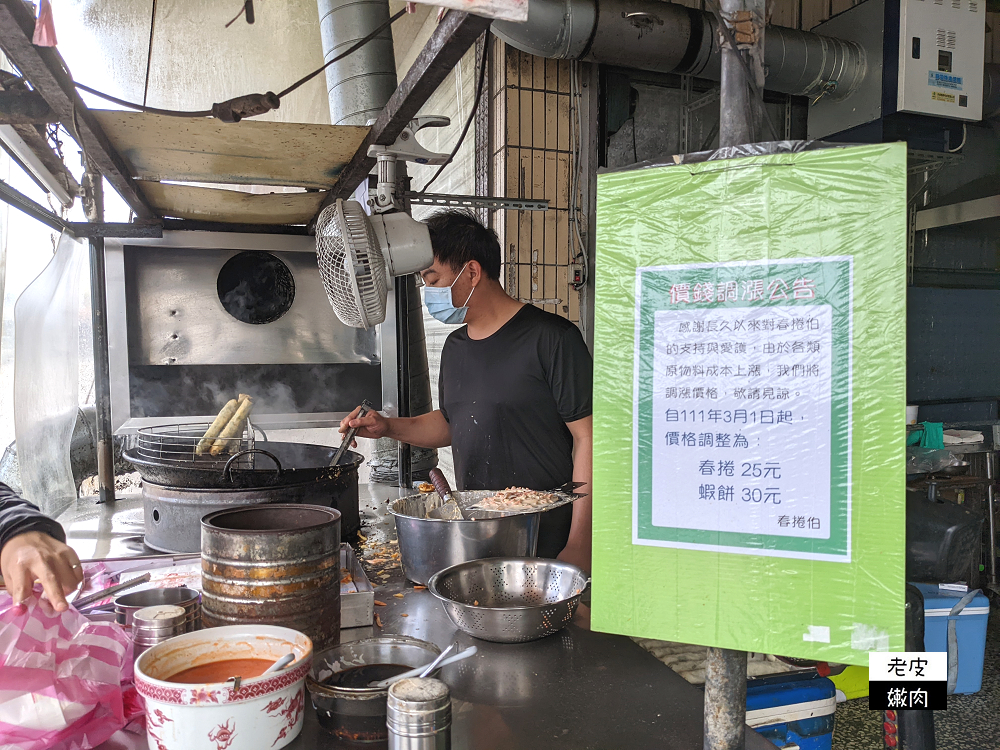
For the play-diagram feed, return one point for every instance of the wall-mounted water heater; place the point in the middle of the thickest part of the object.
(924, 57)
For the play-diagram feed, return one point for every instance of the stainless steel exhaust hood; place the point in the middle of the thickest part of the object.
(195, 318)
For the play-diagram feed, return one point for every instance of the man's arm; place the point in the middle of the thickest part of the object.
(426, 431)
(578, 546)
(32, 548)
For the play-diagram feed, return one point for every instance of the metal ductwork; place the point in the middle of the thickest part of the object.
(361, 84)
(359, 88)
(668, 38)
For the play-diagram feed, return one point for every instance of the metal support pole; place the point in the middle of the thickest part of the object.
(991, 521)
(403, 285)
(725, 699)
(740, 111)
(741, 106)
(94, 207)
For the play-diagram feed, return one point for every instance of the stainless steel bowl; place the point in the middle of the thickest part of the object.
(510, 600)
(427, 545)
(358, 714)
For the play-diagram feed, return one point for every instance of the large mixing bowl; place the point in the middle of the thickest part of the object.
(510, 600)
(427, 545)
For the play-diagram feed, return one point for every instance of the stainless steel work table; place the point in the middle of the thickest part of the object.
(575, 689)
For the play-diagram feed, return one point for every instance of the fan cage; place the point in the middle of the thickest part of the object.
(351, 265)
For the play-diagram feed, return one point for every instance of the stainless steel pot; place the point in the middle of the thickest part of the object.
(427, 545)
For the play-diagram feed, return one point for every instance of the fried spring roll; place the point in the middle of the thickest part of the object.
(217, 426)
(231, 430)
(234, 445)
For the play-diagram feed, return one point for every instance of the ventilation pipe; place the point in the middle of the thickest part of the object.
(668, 38)
(359, 87)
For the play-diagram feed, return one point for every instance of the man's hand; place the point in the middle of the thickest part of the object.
(371, 425)
(33, 556)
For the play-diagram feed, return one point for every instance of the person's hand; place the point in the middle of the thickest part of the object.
(371, 425)
(33, 556)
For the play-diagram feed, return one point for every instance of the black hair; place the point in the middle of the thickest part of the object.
(458, 237)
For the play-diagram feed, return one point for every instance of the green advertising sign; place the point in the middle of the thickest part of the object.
(749, 403)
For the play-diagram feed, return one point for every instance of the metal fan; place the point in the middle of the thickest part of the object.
(358, 254)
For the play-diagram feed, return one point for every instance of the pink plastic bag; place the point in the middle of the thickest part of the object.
(65, 682)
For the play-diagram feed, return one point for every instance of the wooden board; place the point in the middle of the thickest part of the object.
(251, 152)
(233, 206)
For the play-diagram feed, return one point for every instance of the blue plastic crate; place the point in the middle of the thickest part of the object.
(970, 627)
(793, 710)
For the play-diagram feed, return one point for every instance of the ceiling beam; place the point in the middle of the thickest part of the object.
(452, 38)
(24, 108)
(48, 74)
(35, 141)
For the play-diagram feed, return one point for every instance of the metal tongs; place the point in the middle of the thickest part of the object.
(366, 406)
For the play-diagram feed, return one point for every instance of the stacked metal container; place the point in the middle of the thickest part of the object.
(273, 565)
(154, 625)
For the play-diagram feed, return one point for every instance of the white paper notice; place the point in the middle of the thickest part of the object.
(741, 420)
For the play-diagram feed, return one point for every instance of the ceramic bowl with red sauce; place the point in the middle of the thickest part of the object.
(191, 700)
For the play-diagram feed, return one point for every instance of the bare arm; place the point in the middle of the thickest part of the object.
(426, 431)
(577, 550)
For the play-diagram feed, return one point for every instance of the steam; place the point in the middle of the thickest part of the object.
(200, 390)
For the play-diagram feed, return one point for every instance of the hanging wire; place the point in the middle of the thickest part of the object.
(469, 120)
(149, 53)
(576, 142)
(350, 50)
(208, 112)
(965, 137)
(143, 107)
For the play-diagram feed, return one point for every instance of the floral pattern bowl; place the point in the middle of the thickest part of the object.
(261, 712)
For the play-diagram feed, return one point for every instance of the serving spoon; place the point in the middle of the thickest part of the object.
(470, 651)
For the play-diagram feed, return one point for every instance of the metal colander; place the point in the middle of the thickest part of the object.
(510, 599)
(351, 264)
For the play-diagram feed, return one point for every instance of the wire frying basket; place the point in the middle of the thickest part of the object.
(177, 445)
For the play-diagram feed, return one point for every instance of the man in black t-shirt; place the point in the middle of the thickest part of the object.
(515, 387)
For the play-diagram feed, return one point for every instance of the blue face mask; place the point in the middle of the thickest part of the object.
(440, 305)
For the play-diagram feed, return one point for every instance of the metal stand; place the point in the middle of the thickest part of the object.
(991, 523)
(403, 357)
(94, 208)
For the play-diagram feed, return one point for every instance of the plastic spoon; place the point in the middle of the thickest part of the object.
(433, 665)
(471, 651)
(283, 662)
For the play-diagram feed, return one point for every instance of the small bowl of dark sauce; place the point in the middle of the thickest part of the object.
(339, 683)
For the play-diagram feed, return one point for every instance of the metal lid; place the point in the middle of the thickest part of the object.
(160, 617)
(418, 706)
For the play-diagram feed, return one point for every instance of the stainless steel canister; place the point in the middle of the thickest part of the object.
(189, 600)
(418, 715)
(275, 564)
(154, 625)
